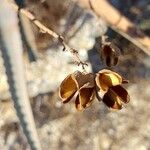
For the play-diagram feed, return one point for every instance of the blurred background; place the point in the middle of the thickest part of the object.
(60, 126)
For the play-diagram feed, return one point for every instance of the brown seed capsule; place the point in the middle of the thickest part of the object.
(80, 83)
(109, 83)
(109, 52)
(106, 78)
(115, 96)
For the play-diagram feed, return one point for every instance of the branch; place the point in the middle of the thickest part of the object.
(44, 29)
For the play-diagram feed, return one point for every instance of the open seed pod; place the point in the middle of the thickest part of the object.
(106, 78)
(109, 52)
(86, 95)
(80, 83)
(68, 87)
(115, 96)
(109, 84)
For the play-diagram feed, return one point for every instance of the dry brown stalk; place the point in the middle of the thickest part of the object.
(55, 35)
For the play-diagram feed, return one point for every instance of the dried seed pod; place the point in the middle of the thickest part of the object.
(109, 53)
(80, 83)
(115, 96)
(67, 88)
(86, 96)
(106, 78)
(112, 100)
(109, 83)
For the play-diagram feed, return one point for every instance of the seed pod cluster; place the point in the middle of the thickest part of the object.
(84, 87)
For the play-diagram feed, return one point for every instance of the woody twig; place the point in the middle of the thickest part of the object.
(55, 35)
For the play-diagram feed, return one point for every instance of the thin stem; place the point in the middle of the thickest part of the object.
(55, 35)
